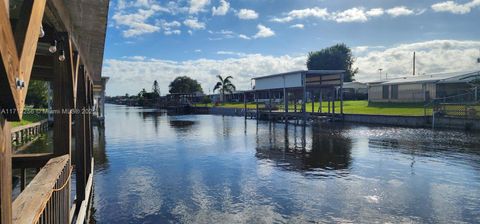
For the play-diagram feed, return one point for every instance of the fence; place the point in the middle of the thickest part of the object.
(46, 199)
(25, 133)
(466, 105)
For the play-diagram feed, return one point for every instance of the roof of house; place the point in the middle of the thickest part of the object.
(451, 77)
(354, 85)
(314, 72)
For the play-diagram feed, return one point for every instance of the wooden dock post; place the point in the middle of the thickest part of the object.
(5, 172)
(320, 99)
(333, 102)
(245, 104)
(269, 105)
(304, 99)
(256, 103)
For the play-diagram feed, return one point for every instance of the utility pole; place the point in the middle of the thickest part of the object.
(380, 71)
(414, 63)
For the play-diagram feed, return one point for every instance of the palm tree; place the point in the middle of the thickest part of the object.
(224, 85)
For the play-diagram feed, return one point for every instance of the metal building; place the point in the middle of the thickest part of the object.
(423, 88)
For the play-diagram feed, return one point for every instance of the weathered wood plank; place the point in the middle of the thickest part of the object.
(5, 172)
(82, 214)
(30, 42)
(29, 205)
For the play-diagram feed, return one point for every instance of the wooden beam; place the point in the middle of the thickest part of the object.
(9, 96)
(15, 65)
(80, 138)
(35, 160)
(62, 105)
(5, 172)
(30, 42)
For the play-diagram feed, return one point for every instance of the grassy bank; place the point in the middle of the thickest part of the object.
(352, 107)
(28, 118)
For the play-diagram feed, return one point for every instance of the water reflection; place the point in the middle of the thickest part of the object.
(301, 148)
(99, 146)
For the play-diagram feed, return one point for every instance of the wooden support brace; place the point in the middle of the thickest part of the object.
(5, 172)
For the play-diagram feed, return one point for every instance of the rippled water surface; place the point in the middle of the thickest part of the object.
(154, 168)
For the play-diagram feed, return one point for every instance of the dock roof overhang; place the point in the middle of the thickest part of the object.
(86, 23)
(295, 80)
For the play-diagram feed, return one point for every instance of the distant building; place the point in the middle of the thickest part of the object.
(422, 88)
(354, 90)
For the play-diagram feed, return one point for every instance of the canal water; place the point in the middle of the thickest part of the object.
(155, 168)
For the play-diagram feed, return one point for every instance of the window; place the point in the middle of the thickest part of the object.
(385, 92)
(394, 92)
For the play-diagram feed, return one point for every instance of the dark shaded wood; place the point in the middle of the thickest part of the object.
(62, 105)
(80, 139)
(5, 172)
(23, 179)
(21, 25)
(36, 160)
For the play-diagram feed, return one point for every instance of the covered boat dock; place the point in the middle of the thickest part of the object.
(285, 95)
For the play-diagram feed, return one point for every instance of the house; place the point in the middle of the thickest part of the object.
(422, 88)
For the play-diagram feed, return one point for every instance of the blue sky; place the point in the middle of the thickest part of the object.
(157, 40)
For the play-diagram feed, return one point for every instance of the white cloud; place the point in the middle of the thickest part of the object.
(239, 54)
(170, 32)
(399, 11)
(375, 12)
(130, 76)
(297, 26)
(263, 32)
(453, 7)
(136, 23)
(303, 13)
(198, 51)
(351, 15)
(194, 24)
(247, 14)
(135, 58)
(243, 36)
(222, 34)
(222, 9)
(356, 14)
(197, 6)
(434, 56)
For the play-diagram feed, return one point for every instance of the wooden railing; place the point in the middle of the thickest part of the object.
(29, 161)
(47, 198)
(23, 134)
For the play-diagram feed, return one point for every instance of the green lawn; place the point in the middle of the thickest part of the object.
(29, 117)
(353, 107)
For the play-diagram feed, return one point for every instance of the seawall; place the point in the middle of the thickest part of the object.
(389, 120)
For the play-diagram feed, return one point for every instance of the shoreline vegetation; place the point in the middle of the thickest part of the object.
(32, 116)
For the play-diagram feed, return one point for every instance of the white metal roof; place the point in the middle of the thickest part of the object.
(451, 77)
(317, 72)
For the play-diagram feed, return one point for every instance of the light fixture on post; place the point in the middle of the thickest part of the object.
(53, 46)
(61, 57)
(42, 32)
